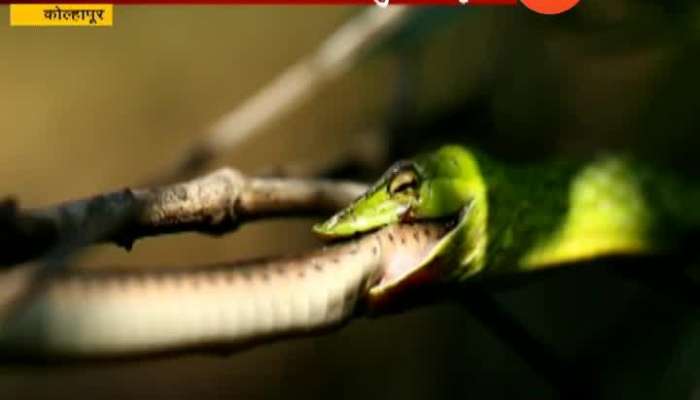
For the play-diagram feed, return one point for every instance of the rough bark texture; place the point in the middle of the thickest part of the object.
(214, 204)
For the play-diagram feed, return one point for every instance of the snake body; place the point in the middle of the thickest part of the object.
(519, 218)
(503, 220)
(114, 313)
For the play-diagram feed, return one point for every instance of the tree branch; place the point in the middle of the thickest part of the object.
(337, 54)
(214, 204)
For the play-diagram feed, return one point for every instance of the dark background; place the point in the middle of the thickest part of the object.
(84, 111)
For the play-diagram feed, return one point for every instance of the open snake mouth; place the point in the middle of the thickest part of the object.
(412, 257)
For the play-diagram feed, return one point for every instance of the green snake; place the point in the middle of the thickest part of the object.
(443, 218)
(520, 218)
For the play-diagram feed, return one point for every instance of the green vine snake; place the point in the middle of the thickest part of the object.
(444, 217)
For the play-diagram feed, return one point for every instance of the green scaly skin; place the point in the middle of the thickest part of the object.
(523, 218)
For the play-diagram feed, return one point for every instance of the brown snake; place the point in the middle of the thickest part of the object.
(110, 313)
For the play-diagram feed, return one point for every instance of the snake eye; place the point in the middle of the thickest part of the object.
(403, 181)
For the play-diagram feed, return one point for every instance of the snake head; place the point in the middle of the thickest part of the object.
(443, 187)
(431, 186)
(389, 200)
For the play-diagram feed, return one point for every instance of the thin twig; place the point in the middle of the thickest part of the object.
(337, 54)
(213, 204)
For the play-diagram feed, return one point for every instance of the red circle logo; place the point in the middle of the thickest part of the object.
(550, 7)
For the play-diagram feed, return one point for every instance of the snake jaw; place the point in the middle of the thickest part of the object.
(408, 261)
(420, 255)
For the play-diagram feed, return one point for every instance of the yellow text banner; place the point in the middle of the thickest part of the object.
(61, 14)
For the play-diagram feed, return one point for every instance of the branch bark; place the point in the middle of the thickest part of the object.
(214, 204)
